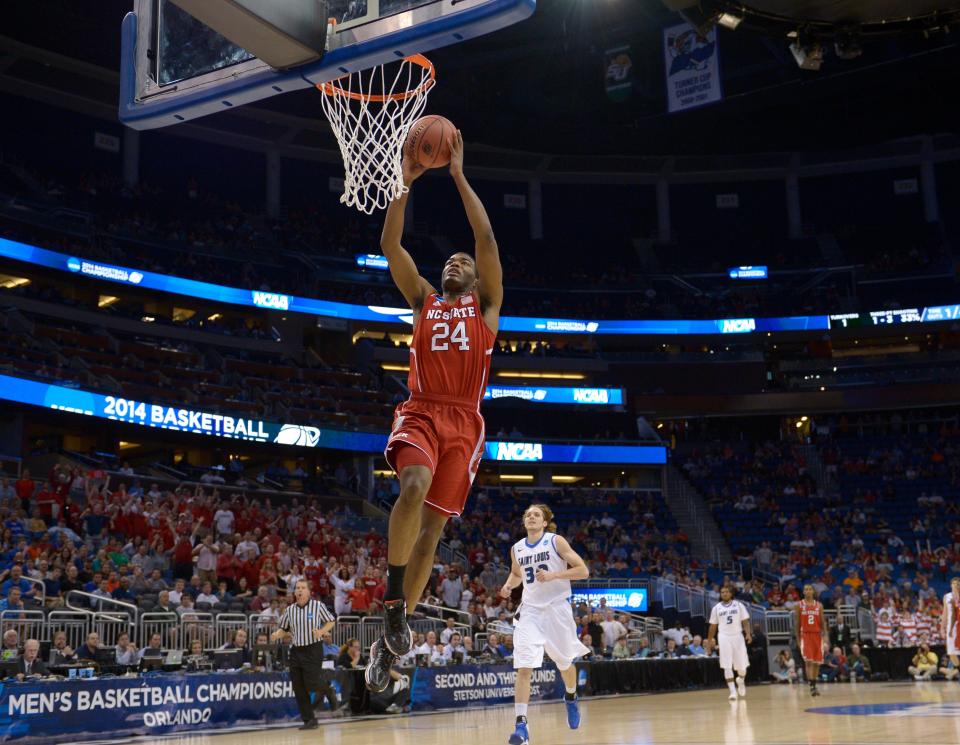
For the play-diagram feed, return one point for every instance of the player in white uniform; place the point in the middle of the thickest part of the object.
(949, 620)
(543, 563)
(733, 621)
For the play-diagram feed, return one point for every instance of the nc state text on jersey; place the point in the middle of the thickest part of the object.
(446, 315)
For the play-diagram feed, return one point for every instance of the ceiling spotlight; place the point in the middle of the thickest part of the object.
(808, 56)
(729, 20)
(847, 45)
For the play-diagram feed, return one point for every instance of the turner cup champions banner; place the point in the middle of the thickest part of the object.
(692, 67)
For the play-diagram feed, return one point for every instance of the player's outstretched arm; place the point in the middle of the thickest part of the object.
(576, 568)
(487, 253)
(412, 286)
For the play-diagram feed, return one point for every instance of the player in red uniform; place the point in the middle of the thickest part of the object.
(437, 438)
(811, 635)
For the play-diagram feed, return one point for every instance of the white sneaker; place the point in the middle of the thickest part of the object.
(732, 696)
(742, 687)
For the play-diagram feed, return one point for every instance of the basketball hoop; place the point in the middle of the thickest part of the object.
(370, 114)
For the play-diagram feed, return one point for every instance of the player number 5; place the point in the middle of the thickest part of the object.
(441, 332)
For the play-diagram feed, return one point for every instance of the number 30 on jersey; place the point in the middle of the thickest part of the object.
(442, 337)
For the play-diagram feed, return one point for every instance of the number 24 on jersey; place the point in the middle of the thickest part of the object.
(442, 337)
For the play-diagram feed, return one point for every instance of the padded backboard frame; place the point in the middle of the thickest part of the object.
(352, 46)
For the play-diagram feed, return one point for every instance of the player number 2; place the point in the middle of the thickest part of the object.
(441, 332)
(531, 572)
(810, 619)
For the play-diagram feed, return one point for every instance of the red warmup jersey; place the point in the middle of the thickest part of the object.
(451, 350)
(810, 618)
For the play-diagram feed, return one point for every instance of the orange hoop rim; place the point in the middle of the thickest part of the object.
(331, 88)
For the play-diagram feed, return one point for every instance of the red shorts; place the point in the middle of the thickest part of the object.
(450, 434)
(811, 648)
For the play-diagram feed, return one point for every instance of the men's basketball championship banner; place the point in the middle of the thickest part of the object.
(618, 73)
(69, 711)
(478, 685)
(692, 67)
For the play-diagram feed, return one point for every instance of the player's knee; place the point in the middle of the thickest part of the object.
(414, 485)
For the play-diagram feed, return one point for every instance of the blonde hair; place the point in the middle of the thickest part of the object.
(547, 512)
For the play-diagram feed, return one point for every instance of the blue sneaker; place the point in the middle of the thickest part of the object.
(573, 713)
(520, 735)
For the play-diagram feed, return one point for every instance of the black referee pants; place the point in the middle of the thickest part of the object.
(306, 674)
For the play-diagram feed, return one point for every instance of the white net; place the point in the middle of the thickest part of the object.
(370, 113)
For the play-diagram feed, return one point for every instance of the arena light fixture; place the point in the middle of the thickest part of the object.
(566, 479)
(808, 57)
(516, 477)
(729, 20)
(541, 375)
(11, 283)
(847, 45)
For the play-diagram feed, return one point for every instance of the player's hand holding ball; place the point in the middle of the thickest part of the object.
(544, 576)
(456, 154)
(412, 170)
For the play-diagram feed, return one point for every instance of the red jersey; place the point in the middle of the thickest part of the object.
(451, 349)
(810, 618)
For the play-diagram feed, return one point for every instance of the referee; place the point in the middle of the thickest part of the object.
(306, 621)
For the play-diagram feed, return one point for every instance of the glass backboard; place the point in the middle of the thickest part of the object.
(174, 68)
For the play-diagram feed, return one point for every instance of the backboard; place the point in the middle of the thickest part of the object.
(174, 68)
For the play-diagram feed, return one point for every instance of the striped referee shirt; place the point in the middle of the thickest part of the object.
(301, 620)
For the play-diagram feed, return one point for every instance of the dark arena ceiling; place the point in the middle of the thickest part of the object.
(826, 17)
(852, 11)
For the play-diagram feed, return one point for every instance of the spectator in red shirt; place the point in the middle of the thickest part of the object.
(24, 488)
(227, 565)
(183, 550)
(359, 601)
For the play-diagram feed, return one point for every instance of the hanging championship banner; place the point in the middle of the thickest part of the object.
(692, 67)
(618, 73)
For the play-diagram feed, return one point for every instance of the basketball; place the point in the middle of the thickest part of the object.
(428, 141)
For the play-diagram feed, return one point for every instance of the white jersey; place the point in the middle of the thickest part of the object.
(541, 555)
(728, 618)
(950, 607)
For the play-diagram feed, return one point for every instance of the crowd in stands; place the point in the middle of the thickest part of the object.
(880, 532)
(194, 550)
(157, 369)
(193, 232)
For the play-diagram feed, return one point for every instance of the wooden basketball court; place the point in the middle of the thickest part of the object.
(846, 714)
